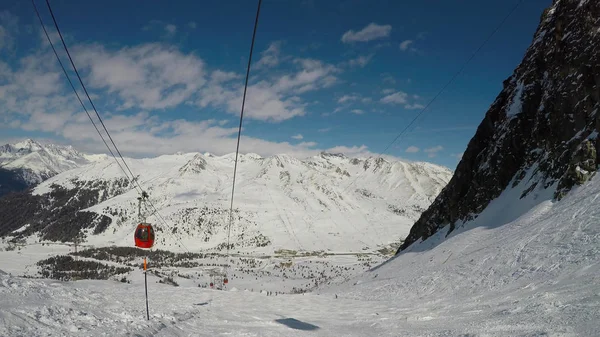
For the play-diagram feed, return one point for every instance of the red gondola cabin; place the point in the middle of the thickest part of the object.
(144, 236)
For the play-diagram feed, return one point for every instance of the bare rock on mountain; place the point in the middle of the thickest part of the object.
(543, 125)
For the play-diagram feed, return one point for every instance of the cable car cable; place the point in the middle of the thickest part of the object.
(75, 91)
(84, 89)
(448, 83)
(237, 150)
(133, 177)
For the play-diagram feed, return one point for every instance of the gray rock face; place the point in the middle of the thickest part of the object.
(545, 119)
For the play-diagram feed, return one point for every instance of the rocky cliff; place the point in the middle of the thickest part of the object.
(544, 122)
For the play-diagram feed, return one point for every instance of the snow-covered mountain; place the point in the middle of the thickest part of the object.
(34, 162)
(328, 201)
(541, 132)
(524, 273)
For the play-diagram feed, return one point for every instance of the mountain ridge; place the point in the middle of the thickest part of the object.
(543, 125)
(281, 202)
(34, 162)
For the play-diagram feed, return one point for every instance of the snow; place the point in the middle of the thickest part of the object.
(515, 106)
(524, 267)
(21, 229)
(540, 37)
(327, 201)
(41, 161)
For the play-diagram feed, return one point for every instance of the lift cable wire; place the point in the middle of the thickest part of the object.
(131, 180)
(84, 89)
(448, 83)
(240, 127)
(74, 90)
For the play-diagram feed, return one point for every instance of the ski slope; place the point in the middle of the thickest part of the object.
(526, 267)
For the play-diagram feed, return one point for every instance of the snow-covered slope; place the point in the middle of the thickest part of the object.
(527, 271)
(327, 201)
(36, 162)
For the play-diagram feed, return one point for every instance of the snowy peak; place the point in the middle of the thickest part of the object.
(28, 145)
(541, 132)
(194, 166)
(36, 162)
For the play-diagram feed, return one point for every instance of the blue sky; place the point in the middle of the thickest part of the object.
(342, 76)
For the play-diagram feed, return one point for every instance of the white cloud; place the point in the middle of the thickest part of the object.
(329, 81)
(412, 149)
(388, 78)
(298, 136)
(9, 27)
(387, 91)
(5, 39)
(192, 25)
(432, 151)
(219, 76)
(348, 98)
(361, 152)
(415, 106)
(457, 155)
(204, 136)
(273, 99)
(314, 74)
(270, 57)
(361, 61)
(154, 76)
(266, 101)
(382, 45)
(54, 37)
(357, 111)
(32, 94)
(366, 99)
(149, 76)
(371, 32)
(47, 122)
(170, 29)
(395, 98)
(405, 44)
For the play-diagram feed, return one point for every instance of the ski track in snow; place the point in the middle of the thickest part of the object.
(532, 272)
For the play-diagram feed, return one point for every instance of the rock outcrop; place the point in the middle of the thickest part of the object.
(544, 122)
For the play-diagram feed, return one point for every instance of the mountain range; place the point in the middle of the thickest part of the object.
(325, 202)
(29, 162)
